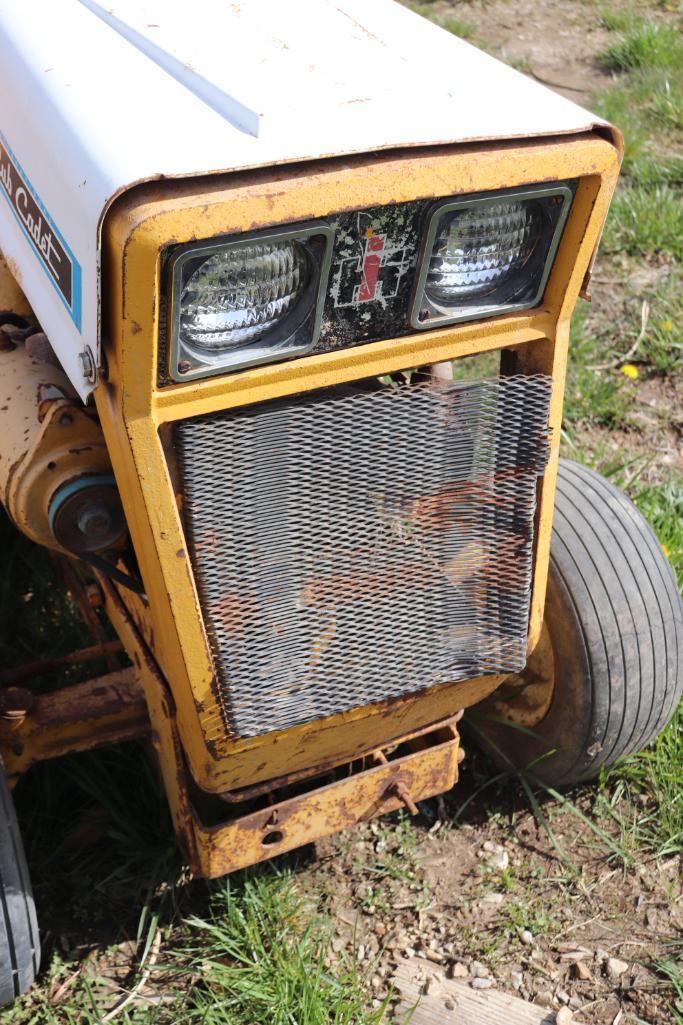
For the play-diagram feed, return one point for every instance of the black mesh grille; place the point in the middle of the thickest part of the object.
(364, 542)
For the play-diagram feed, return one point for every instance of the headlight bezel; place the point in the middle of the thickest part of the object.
(296, 335)
(436, 317)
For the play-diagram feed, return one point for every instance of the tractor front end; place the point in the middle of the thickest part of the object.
(324, 529)
(313, 482)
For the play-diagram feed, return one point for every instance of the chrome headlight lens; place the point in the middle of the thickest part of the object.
(488, 254)
(246, 301)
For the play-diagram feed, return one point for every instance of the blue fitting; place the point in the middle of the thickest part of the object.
(72, 488)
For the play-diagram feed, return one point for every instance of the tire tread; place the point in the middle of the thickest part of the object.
(603, 548)
(19, 940)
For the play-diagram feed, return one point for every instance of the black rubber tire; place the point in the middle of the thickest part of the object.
(19, 942)
(615, 618)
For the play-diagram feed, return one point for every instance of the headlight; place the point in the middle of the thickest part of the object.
(248, 300)
(488, 254)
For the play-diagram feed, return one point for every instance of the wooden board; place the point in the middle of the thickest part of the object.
(424, 984)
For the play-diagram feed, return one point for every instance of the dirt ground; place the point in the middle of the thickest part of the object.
(490, 896)
(553, 41)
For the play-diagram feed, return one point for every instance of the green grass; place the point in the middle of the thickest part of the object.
(662, 344)
(646, 222)
(670, 970)
(458, 26)
(257, 953)
(596, 397)
(641, 44)
(261, 957)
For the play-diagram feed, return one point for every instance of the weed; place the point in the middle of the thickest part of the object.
(262, 958)
(645, 222)
(662, 342)
(459, 27)
(531, 915)
(641, 44)
(637, 102)
(671, 971)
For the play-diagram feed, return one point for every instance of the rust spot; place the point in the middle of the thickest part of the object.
(135, 327)
(236, 613)
(343, 588)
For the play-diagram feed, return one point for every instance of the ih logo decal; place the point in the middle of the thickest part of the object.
(374, 274)
(372, 261)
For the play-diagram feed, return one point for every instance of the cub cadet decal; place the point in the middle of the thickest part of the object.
(56, 258)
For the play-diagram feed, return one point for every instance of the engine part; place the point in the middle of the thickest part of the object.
(56, 480)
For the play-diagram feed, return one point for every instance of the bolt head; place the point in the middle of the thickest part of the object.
(88, 364)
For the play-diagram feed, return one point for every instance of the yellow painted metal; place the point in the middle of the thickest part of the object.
(47, 438)
(428, 768)
(524, 698)
(12, 298)
(328, 809)
(134, 409)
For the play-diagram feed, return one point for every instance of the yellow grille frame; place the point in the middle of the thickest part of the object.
(134, 411)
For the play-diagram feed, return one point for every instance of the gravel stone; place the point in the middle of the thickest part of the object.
(500, 860)
(616, 968)
(493, 898)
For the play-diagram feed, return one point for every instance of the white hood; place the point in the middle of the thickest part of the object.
(99, 97)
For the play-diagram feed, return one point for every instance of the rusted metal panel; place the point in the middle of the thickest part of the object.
(430, 768)
(320, 745)
(105, 710)
(301, 820)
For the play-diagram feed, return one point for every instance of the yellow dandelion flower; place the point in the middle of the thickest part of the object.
(665, 549)
(667, 325)
(628, 370)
